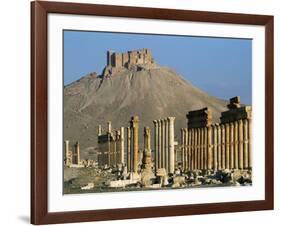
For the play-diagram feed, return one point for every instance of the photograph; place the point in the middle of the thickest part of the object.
(155, 112)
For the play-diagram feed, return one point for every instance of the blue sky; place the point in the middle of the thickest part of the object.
(221, 67)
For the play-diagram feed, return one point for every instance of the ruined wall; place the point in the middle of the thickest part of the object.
(111, 146)
(71, 154)
(130, 58)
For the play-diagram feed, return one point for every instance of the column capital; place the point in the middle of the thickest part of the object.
(135, 118)
(171, 119)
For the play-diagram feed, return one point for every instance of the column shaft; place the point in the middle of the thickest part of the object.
(199, 148)
(135, 127)
(245, 143)
(163, 144)
(210, 144)
(156, 145)
(219, 147)
(231, 154)
(215, 156)
(227, 165)
(189, 149)
(171, 145)
(122, 146)
(167, 145)
(182, 148)
(205, 148)
(250, 143)
(236, 141)
(222, 146)
(129, 149)
(202, 148)
(160, 144)
(240, 134)
(192, 149)
(196, 149)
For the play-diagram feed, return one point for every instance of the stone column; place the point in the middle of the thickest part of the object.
(99, 130)
(240, 135)
(227, 146)
(166, 145)
(192, 149)
(215, 155)
(205, 148)
(147, 148)
(186, 149)
(222, 146)
(245, 143)
(122, 146)
(163, 143)
(68, 160)
(109, 126)
(160, 144)
(199, 148)
(210, 145)
(195, 149)
(250, 143)
(135, 128)
(156, 145)
(231, 165)
(129, 149)
(202, 148)
(183, 147)
(77, 153)
(109, 151)
(189, 149)
(236, 141)
(219, 147)
(171, 121)
(115, 150)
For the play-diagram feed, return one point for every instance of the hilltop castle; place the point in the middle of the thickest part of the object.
(133, 60)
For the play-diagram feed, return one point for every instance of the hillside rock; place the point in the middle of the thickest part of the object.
(152, 93)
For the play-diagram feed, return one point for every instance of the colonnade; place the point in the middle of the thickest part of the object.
(111, 146)
(218, 146)
(133, 145)
(164, 144)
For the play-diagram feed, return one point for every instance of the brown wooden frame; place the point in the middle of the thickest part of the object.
(39, 107)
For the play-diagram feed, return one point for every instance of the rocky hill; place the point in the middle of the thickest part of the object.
(151, 93)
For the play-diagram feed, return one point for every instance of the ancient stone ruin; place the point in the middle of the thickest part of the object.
(111, 146)
(226, 145)
(133, 60)
(164, 144)
(72, 154)
(208, 153)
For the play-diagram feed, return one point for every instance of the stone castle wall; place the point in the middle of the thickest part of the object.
(130, 58)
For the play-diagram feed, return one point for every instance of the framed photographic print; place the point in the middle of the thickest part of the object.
(147, 112)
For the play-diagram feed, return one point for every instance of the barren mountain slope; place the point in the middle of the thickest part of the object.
(150, 94)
